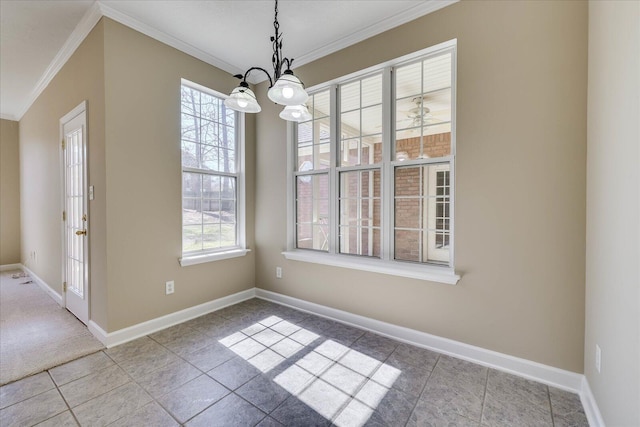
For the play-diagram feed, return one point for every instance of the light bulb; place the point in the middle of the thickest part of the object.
(287, 92)
(296, 114)
(242, 103)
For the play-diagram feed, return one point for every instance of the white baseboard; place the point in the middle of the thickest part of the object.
(111, 339)
(549, 375)
(44, 285)
(590, 406)
(7, 267)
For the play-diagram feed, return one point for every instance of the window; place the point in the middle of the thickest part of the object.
(372, 171)
(212, 178)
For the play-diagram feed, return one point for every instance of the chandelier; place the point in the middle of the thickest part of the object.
(287, 90)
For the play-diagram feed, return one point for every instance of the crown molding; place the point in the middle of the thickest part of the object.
(8, 117)
(379, 27)
(374, 29)
(98, 10)
(166, 39)
(82, 30)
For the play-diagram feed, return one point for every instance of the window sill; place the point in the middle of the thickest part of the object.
(430, 273)
(216, 256)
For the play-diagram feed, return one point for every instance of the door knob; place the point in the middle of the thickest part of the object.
(81, 233)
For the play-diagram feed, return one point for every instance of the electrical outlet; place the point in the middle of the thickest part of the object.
(598, 358)
(278, 272)
(169, 287)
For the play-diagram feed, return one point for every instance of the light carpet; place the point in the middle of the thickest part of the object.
(35, 332)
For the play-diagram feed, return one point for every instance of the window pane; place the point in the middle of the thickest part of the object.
(208, 157)
(210, 211)
(350, 124)
(190, 101)
(209, 133)
(365, 151)
(360, 212)
(408, 80)
(228, 235)
(437, 72)
(305, 133)
(372, 120)
(350, 96)
(372, 91)
(189, 125)
(209, 107)
(312, 211)
(422, 213)
(191, 238)
(190, 154)
(407, 244)
(322, 156)
(321, 104)
(371, 149)
(227, 161)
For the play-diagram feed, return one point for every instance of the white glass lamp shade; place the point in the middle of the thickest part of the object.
(244, 100)
(295, 113)
(288, 90)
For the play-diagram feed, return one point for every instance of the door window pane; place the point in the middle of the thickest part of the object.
(422, 213)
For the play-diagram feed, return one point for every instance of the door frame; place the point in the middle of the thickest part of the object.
(79, 109)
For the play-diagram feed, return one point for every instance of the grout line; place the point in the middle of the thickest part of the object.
(64, 400)
(553, 422)
(484, 396)
(424, 386)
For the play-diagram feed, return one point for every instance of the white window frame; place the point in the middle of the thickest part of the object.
(240, 249)
(386, 264)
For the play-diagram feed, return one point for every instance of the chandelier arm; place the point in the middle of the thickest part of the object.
(244, 79)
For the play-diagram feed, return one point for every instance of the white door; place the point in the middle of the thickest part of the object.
(436, 217)
(76, 268)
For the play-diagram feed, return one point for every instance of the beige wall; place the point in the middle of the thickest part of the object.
(9, 193)
(520, 176)
(613, 210)
(132, 85)
(81, 78)
(142, 82)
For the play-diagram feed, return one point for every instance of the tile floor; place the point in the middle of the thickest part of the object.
(258, 363)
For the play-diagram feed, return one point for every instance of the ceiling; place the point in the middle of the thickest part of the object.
(38, 36)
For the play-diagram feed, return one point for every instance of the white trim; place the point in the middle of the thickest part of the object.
(590, 405)
(240, 249)
(166, 39)
(121, 336)
(374, 29)
(99, 9)
(545, 374)
(430, 273)
(82, 30)
(216, 256)
(7, 267)
(428, 51)
(82, 310)
(11, 117)
(45, 286)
